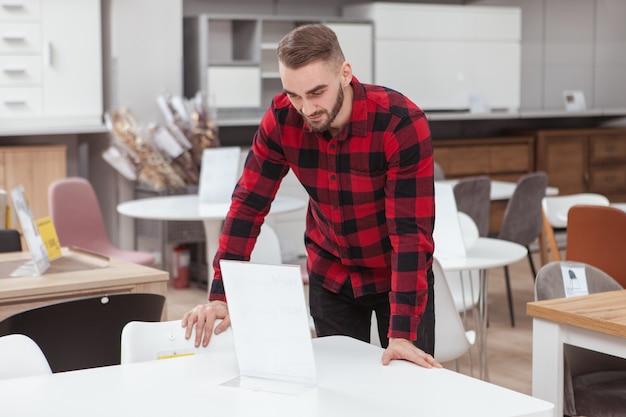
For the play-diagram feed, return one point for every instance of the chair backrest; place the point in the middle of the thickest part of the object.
(84, 333)
(523, 218)
(438, 172)
(451, 341)
(596, 235)
(549, 282)
(267, 247)
(76, 214)
(472, 196)
(556, 207)
(145, 341)
(464, 286)
(10, 240)
(20, 356)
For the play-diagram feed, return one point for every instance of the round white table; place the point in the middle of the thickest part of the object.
(188, 208)
(483, 254)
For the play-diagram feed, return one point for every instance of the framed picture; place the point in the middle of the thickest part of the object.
(574, 100)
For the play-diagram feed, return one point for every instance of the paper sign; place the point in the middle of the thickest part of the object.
(574, 280)
(35, 244)
(218, 174)
(448, 237)
(270, 324)
(49, 236)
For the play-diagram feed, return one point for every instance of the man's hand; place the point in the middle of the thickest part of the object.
(203, 317)
(405, 349)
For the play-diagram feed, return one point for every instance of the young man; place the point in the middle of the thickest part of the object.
(364, 155)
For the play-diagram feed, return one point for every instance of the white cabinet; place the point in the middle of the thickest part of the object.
(440, 56)
(233, 58)
(50, 63)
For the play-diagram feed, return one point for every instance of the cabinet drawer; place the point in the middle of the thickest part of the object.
(458, 161)
(19, 10)
(510, 158)
(607, 148)
(20, 38)
(20, 70)
(607, 179)
(20, 102)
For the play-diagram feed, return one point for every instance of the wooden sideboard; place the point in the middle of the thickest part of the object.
(501, 158)
(584, 160)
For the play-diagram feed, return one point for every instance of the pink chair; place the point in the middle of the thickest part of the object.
(78, 220)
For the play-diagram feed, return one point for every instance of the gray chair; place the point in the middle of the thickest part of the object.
(595, 383)
(472, 197)
(523, 221)
(85, 332)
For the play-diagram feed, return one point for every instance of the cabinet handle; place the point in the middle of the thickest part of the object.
(12, 5)
(14, 38)
(49, 54)
(14, 70)
(15, 102)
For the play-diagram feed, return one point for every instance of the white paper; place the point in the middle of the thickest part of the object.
(31, 233)
(448, 237)
(270, 323)
(218, 174)
(574, 280)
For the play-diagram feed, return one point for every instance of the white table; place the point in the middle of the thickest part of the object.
(484, 253)
(596, 322)
(352, 382)
(188, 208)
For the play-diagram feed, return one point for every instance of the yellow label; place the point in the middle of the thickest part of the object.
(174, 355)
(49, 237)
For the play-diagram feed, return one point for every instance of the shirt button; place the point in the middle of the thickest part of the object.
(332, 146)
(332, 178)
(336, 207)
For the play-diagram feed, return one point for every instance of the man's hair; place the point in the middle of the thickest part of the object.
(309, 43)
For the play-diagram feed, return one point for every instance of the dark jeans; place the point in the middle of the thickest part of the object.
(342, 314)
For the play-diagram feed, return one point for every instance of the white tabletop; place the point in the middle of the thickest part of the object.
(188, 208)
(352, 382)
(485, 253)
(502, 190)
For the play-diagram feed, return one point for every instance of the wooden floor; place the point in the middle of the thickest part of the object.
(509, 349)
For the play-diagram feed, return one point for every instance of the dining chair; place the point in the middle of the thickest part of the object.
(555, 210)
(597, 235)
(594, 383)
(145, 341)
(85, 332)
(10, 240)
(438, 172)
(472, 195)
(20, 356)
(78, 220)
(452, 341)
(523, 221)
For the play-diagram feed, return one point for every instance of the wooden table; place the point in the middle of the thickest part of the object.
(75, 275)
(596, 322)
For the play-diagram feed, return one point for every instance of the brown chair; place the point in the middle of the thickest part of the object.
(523, 221)
(594, 383)
(472, 197)
(596, 235)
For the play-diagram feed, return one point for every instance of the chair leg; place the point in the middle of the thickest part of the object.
(532, 264)
(507, 280)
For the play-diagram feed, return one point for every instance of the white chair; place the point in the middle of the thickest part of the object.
(145, 341)
(267, 247)
(451, 339)
(555, 209)
(20, 356)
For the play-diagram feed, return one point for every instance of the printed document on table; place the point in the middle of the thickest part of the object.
(270, 324)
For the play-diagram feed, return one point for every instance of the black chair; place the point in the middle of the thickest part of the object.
(86, 332)
(10, 240)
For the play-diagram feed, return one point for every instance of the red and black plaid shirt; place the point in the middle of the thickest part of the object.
(371, 205)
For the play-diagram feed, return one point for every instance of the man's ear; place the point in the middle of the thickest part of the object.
(346, 74)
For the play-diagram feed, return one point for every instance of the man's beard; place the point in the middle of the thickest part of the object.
(324, 125)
